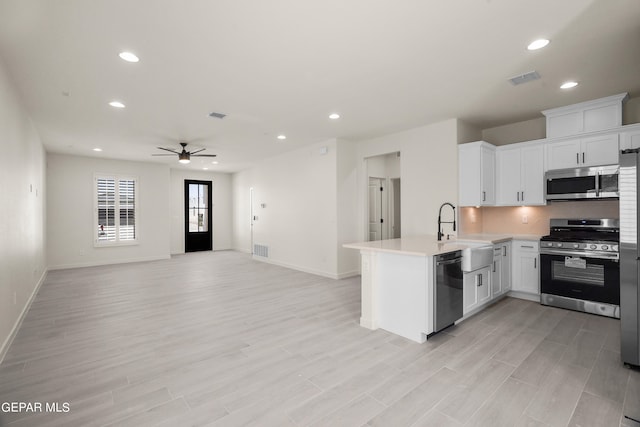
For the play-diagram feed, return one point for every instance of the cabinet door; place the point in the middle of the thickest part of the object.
(600, 150)
(483, 283)
(532, 179)
(470, 291)
(508, 174)
(488, 165)
(506, 267)
(564, 154)
(630, 139)
(496, 271)
(529, 273)
(469, 172)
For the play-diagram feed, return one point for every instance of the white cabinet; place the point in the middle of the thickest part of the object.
(520, 174)
(590, 116)
(476, 289)
(630, 137)
(476, 172)
(501, 269)
(578, 152)
(526, 267)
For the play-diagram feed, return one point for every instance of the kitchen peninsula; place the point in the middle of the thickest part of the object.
(398, 279)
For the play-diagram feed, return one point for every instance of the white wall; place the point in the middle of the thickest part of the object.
(347, 207)
(429, 174)
(299, 222)
(22, 210)
(221, 214)
(70, 211)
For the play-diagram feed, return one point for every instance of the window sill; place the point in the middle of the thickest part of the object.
(115, 244)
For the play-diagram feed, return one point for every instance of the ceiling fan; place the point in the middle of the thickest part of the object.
(184, 156)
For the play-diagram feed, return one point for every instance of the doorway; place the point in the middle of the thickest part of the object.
(383, 214)
(197, 216)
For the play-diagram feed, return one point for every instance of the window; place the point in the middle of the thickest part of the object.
(116, 210)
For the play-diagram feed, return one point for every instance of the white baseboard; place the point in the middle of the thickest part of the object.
(348, 274)
(297, 267)
(108, 262)
(16, 326)
(244, 251)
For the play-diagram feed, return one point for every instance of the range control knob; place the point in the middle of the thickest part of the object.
(614, 247)
(594, 247)
(605, 247)
(559, 245)
(576, 246)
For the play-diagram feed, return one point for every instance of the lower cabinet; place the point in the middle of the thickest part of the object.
(526, 267)
(501, 269)
(476, 289)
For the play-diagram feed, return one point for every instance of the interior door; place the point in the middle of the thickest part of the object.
(197, 216)
(377, 209)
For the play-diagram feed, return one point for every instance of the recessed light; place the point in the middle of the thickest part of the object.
(282, 137)
(538, 44)
(129, 57)
(97, 149)
(116, 104)
(206, 169)
(334, 116)
(568, 85)
(214, 162)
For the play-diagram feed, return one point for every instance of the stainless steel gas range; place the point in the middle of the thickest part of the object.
(579, 266)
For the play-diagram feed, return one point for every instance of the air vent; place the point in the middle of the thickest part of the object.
(217, 115)
(524, 78)
(261, 250)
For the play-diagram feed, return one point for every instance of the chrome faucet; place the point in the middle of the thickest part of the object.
(440, 222)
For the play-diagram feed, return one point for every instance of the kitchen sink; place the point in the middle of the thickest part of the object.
(476, 255)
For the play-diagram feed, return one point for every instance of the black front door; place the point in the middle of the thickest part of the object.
(197, 216)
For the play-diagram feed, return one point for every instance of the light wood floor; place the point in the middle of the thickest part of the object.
(219, 339)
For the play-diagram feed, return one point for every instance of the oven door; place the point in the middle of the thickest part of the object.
(580, 277)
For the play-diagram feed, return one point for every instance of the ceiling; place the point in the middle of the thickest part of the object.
(282, 66)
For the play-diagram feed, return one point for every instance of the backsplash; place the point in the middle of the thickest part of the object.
(499, 220)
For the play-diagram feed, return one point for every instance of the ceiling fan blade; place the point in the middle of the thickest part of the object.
(197, 151)
(204, 155)
(166, 149)
(163, 154)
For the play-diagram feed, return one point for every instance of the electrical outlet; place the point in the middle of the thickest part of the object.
(525, 219)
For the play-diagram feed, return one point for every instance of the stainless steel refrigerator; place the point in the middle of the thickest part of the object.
(629, 258)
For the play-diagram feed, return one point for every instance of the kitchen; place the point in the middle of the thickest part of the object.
(406, 287)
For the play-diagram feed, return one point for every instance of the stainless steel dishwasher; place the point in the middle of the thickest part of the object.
(447, 289)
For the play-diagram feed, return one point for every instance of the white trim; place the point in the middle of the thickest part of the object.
(295, 267)
(4, 349)
(111, 262)
(524, 295)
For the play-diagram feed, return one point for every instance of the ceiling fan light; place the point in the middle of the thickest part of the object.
(184, 161)
(184, 157)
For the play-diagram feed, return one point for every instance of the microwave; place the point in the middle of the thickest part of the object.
(598, 182)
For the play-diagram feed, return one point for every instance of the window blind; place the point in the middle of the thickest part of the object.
(116, 209)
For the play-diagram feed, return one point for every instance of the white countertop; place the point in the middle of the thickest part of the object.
(428, 245)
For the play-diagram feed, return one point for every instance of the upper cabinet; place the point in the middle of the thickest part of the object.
(520, 174)
(581, 152)
(630, 137)
(476, 173)
(591, 116)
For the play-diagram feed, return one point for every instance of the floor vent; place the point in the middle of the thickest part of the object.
(261, 250)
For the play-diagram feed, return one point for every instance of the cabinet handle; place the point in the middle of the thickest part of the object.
(484, 196)
(577, 158)
(535, 263)
(494, 266)
(522, 196)
(583, 157)
(479, 280)
(504, 251)
(528, 247)
(518, 195)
